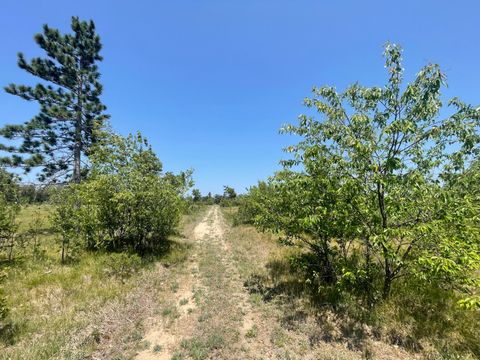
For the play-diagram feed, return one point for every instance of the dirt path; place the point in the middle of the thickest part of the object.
(207, 313)
(212, 313)
(165, 333)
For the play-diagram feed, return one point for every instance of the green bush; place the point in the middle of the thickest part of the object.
(8, 226)
(3, 303)
(381, 187)
(126, 203)
(252, 205)
(9, 188)
(122, 265)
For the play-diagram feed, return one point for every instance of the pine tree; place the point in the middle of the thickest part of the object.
(71, 113)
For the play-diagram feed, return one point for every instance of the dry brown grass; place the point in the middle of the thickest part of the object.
(78, 310)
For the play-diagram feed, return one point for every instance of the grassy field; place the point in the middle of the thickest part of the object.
(219, 291)
(412, 324)
(52, 304)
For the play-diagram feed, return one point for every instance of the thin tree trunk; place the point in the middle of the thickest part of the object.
(388, 276)
(63, 251)
(12, 241)
(368, 271)
(387, 283)
(77, 152)
(77, 167)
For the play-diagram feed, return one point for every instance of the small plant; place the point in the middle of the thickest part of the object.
(183, 302)
(252, 332)
(178, 356)
(8, 226)
(3, 301)
(34, 231)
(197, 294)
(199, 348)
(157, 348)
(122, 265)
(144, 345)
(174, 286)
(170, 312)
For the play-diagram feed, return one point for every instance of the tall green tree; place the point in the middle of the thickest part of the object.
(392, 152)
(71, 113)
(229, 192)
(197, 195)
(382, 184)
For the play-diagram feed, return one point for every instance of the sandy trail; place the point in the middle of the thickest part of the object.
(163, 335)
(224, 311)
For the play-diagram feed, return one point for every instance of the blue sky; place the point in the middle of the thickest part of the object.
(211, 82)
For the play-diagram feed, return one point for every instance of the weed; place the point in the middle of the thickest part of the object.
(199, 348)
(197, 296)
(183, 302)
(178, 356)
(174, 286)
(171, 312)
(144, 345)
(278, 337)
(252, 332)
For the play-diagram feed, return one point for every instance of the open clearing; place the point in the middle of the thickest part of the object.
(194, 302)
(207, 312)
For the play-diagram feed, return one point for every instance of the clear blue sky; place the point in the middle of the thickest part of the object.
(210, 82)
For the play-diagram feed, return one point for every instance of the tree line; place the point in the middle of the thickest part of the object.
(228, 198)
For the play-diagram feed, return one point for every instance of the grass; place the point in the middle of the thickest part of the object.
(198, 348)
(183, 302)
(252, 332)
(60, 311)
(174, 286)
(51, 303)
(424, 323)
(178, 356)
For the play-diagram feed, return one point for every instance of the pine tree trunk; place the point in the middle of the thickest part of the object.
(77, 167)
(77, 151)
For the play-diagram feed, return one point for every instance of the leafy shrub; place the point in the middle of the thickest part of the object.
(122, 265)
(253, 204)
(8, 329)
(3, 303)
(125, 203)
(9, 186)
(66, 220)
(8, 226)
(381, 187)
